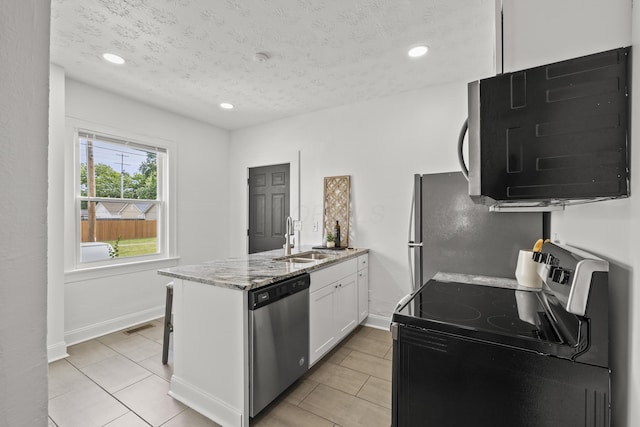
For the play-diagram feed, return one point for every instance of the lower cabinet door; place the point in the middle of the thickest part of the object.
(322, 336)
(346, 305)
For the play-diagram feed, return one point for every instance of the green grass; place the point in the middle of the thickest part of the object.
(135, 247)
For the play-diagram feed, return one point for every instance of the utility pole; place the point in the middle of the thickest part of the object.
(91, 184)
(122, 175)
(122, 163)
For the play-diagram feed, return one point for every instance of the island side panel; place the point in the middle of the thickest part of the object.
(210, 354)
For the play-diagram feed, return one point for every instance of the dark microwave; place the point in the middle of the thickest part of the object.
(551, 135)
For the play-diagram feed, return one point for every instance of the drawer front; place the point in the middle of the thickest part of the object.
(332, 273)
(363, 262)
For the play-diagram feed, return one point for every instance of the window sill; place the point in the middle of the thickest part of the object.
(96, 272)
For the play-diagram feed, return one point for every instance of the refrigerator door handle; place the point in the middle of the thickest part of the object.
(415, 233)
(411, 243)
(463, 132)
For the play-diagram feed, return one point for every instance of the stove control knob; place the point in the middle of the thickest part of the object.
(540, 257)
(560, 275)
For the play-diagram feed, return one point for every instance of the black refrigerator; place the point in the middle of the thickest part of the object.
(449, 233)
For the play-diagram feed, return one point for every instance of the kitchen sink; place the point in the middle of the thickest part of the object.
(306, 257)
(313, 255)
(295, 260)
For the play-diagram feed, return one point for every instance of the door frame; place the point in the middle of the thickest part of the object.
(293, 159)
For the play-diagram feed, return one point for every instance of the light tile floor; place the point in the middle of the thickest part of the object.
(118, 380)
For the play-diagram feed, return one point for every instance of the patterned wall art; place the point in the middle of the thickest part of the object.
(337, 205)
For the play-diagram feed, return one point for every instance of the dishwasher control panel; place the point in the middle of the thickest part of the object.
(276, 291)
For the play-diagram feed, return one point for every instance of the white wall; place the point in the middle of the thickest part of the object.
(95, 304)
(547, 31)
(23, 211)
(381, 144)
(544, 31)
(56, 345)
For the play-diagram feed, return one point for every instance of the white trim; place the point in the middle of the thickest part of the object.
(57, 351)
(377, 321)
(96, 330)
(167, 185)
(205, 403)
(100, 271)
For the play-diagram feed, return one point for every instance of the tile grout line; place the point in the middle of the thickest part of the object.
(113, 395)
(105, 390)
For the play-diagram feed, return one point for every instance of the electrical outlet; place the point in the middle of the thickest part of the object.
(297, 225)
(315, 225)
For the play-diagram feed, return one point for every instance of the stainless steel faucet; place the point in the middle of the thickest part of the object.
(287, 236)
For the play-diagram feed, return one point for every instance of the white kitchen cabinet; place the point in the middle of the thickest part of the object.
(363, 295)
(363, 287)
(322, 331)
(333, 307)
(346, 305)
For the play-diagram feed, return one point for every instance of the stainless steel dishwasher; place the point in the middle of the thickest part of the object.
(278, 339)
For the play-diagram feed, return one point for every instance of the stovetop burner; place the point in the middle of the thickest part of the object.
(484, 308)
(458, 289)
(449, 311)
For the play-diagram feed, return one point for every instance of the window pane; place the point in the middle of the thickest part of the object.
(118, 228)
(119, 171)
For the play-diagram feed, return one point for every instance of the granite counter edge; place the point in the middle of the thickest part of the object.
(175, 273)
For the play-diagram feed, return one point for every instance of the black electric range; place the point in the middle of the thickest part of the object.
(479, 351)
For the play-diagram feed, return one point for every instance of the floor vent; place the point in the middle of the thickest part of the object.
(138, 329)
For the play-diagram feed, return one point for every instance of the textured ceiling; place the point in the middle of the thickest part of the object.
(188, 56)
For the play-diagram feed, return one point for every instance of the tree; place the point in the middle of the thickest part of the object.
(146, 182)
(107, 181)
(142, 185)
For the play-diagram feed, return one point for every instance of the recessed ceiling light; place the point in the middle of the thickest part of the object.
(226, 106)
(418, 51)
(114, 59)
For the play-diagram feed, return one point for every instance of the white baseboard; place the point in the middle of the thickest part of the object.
(112, 325)
(377, 321)
(204, 403)
(57, 351)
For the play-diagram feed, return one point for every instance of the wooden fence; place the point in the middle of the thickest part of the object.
(111, 229)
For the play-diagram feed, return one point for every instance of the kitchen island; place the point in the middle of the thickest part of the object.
(211, 320)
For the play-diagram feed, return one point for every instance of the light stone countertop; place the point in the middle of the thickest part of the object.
(256, 270)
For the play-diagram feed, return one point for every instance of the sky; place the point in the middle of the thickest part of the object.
(115, 155)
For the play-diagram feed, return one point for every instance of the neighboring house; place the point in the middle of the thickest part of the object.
(119, 210)
(132, 211)
(149, 210)
(109, 210)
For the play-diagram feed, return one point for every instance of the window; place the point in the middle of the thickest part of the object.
(121, 200)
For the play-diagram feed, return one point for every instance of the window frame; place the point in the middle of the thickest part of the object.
(75, 269)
